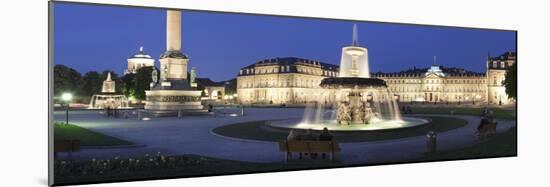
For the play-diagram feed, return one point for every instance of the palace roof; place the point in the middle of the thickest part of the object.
(292, 61)
(419, 72)
(505, 56)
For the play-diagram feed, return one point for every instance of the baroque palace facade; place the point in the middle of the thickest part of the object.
(293, 80)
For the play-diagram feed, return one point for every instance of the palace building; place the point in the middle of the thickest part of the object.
(294, 80)
(496, 71)
(283, 80)
(437, 84)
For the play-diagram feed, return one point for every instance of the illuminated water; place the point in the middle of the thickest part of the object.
(331, 125)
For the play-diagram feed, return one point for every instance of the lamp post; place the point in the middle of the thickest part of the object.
(66, 97)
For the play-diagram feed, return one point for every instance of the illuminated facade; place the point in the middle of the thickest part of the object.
(496, 71)
(294, 80)
(139, 60)
(211, 90)
(283, 80)
(437, 85)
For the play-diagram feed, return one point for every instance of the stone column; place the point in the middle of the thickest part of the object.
(173, 30)
(173, 58)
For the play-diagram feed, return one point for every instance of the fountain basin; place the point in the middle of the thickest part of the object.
(332, 125)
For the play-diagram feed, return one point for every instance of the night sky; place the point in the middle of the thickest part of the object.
(98, 38)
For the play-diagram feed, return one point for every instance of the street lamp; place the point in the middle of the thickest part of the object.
(66, 97)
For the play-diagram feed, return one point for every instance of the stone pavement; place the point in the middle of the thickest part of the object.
(191, 135)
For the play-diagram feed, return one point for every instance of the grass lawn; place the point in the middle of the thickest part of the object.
(86, 137)
(72, 172)
(498, 112)
(87, 171)
(504, 144)
(258, 130)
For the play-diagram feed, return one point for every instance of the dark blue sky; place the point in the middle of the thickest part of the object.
(94, 37)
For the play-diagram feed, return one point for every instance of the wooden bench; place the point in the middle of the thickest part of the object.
(299, 146)
(69, 146)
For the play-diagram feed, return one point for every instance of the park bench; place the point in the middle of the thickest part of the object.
(68, 146)
(299, 146)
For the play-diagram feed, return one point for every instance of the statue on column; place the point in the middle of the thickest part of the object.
(154, 76)
(164, 74)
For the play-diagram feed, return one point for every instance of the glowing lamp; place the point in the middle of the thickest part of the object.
(67, 97)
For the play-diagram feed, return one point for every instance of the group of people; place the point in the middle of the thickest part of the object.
(298, 134)
(111, 112)
(114, 112)
(309, 135)
(405, 109)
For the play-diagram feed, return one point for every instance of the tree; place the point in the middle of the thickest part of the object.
(510, 81)
(142, 81)
(92, 83)
(126, 85)
(66, 80)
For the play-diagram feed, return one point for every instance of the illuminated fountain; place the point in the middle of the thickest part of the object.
(108, 98)
(361, 102)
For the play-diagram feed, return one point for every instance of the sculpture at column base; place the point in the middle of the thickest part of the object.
(174, 103)
(173, 97)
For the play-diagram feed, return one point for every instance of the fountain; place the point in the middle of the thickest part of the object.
(108, 98)
(361, 102)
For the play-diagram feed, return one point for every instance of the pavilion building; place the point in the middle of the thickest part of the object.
(139, 60)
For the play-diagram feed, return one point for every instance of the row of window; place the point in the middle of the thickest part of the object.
(270, 95)
(437, 88)
(435, 81)
(283, 69)
(270, 84)
(453, 97)
(264, 70)
(497, 82)
(495, 64)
